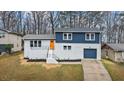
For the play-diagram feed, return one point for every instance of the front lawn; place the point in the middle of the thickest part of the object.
(11, 69)
(116, 70)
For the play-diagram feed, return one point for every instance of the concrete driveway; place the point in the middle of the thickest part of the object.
(95, 71)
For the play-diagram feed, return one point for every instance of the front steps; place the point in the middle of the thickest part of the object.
(51, 61)
(50, 57)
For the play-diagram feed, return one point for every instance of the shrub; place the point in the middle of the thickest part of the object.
(8, 48)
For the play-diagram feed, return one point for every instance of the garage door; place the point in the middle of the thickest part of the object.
(90, 53)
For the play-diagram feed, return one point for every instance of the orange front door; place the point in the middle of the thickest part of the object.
(51, 44)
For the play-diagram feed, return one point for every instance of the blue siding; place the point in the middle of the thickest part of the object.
(90, 53)
(77, 37)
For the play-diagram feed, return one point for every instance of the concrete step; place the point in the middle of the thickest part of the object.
(50, 58)
(51, 61)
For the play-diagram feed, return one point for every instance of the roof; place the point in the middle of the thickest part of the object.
(77, 30)
(9, 32)
(41, 36)
(116, 47)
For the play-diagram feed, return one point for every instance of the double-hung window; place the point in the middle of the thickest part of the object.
(35, 43)
(66, 47)
(31, 43)
(39, 43)
(69, 47)
(67, 36)
(90, 36)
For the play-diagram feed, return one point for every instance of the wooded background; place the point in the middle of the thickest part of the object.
(43, 22)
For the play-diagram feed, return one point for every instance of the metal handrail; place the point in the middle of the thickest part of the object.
(47, 52)
(55, 56)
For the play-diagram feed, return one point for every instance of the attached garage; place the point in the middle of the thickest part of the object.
(90, 53)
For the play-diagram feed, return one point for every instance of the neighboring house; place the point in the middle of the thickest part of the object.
(66, 44)
(114, 52)
(10, 38)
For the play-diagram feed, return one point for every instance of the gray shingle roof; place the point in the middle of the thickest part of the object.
(77, 30)
(10, 32)
(117, 47)
(42, 36)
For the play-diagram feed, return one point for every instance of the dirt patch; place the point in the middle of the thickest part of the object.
(25, 61)
(22, 60)
(43, 63)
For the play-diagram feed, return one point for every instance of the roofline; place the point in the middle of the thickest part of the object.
(9, 32)
(39, 39)
(79, 31)
(4, 30)
(115, 50)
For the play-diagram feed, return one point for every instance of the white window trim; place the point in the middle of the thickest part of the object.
(38, 43)
(34, 44)
(67, 36)
(89, 37)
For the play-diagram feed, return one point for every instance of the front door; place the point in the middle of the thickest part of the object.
(51, 44)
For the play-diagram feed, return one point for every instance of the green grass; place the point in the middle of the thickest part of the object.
(11, 69)
(116, 70)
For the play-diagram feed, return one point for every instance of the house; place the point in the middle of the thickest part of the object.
(10, 38)
(114, 52)
(37, 46)
(65, 44)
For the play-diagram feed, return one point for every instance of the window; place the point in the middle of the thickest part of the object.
(31, 43)
(90, 36)
(69, 47)
(67, 36)
(39, 43)
(65, 47)
(87, 36)
(35, 43)
(2, 35)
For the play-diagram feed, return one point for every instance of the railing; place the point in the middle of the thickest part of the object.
(53, 55)
(57, 58)
(47, 52)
